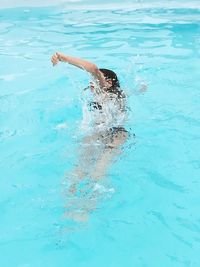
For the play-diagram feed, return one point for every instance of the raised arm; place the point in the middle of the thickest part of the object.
(82, 64)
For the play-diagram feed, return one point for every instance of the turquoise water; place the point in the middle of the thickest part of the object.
(145, 211)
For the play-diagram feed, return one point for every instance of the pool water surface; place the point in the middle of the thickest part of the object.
(145, 209)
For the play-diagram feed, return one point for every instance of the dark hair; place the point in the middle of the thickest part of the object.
(109, 74)
(115, 88)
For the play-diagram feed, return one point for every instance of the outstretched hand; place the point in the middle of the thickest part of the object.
(55, 59)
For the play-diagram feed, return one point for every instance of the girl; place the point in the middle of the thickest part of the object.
(98, 149)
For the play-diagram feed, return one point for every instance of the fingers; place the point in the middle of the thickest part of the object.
(54, 59)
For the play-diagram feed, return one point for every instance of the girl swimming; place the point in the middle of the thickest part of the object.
(98, 148)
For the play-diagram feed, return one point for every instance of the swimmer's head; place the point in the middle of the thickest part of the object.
(111, 78)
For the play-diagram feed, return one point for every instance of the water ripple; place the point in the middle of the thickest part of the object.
(160, 180)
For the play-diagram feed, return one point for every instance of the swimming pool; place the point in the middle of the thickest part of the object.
(146, 210)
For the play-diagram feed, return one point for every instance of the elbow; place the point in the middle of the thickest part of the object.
(93, 69)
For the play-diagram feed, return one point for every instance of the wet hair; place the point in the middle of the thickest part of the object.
(109, 74)
(115, 88)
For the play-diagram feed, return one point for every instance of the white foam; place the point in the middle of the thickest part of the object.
(102, 189)
(61, 126)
